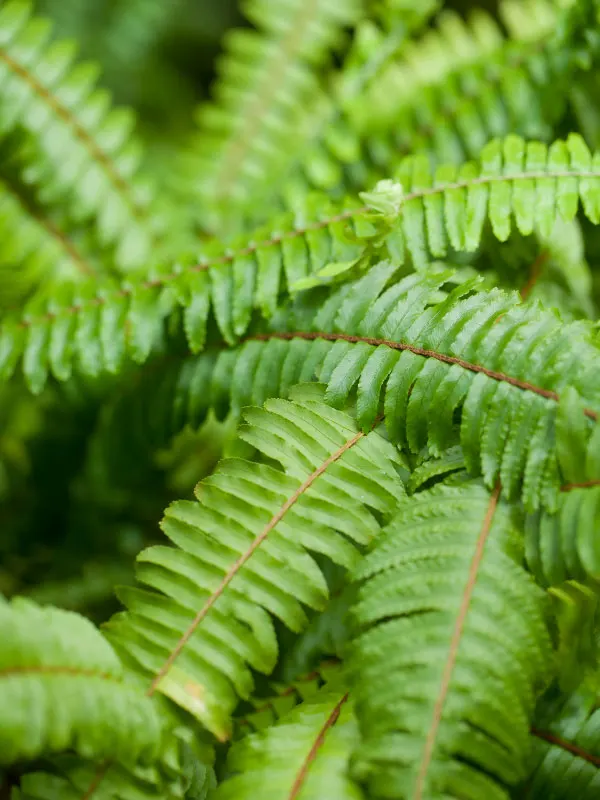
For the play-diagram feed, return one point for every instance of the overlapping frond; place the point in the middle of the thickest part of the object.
(450, 652)
(326, 152)
(479, 369)
(62, 688)
(562, 544)
(445, 94)
(423, 214)
(36, 248)
(566, 749)
(175, 774)
(85, 157)
(304, 756)
(243, 554)
(266, 78)
(458, 86)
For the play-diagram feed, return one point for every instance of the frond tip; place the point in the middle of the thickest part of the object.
(450, 652)
(62, 688)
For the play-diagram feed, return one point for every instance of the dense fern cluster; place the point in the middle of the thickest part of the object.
(299, 398)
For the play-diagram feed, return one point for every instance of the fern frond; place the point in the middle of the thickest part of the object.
(86, 156)
(62, 688)
(208, 616)
(303, 757)
(479, 369)
(566, 749)
(35, 250)
(176, 774)
(266, 78)
(457, 87)
(422, 214)
(444, 684)
(448, 463)
(319, 152)
(561, 543)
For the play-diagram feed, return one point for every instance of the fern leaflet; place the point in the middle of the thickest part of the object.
(208, 615)
(444, 692)
(57, 669)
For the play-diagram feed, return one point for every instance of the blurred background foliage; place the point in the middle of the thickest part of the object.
(72, 516)
(159, 56)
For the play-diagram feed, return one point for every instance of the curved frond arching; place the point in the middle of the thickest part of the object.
(451, 649)
(479, 369)
(444, 371)
(62, 688)
(207, 615)
(86, 156)
(422, 213)
(501, 363)
(304, 756)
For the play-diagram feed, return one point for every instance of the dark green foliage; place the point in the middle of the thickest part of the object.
(340, 321)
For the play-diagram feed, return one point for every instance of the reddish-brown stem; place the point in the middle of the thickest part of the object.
(455, 645)
(243, 559)
(421, 351)
(80, 132)
(568, 746)
(568, 487)
(317, 744)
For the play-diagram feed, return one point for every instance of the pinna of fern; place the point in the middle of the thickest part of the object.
(423, 213)
(475, 368)
(85, 157)
(55, 665)
(446, 665)
(450, 655)
(229, 567)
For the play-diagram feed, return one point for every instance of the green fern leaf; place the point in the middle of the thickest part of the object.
(176, 774)
(566, 748)
(267, 77)
(458, 86)
(208, 615)
(561, 544)
(535, 184)
(444, 684)
(62, 687)
(85, 155)
(303, 757)
(479, 369)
